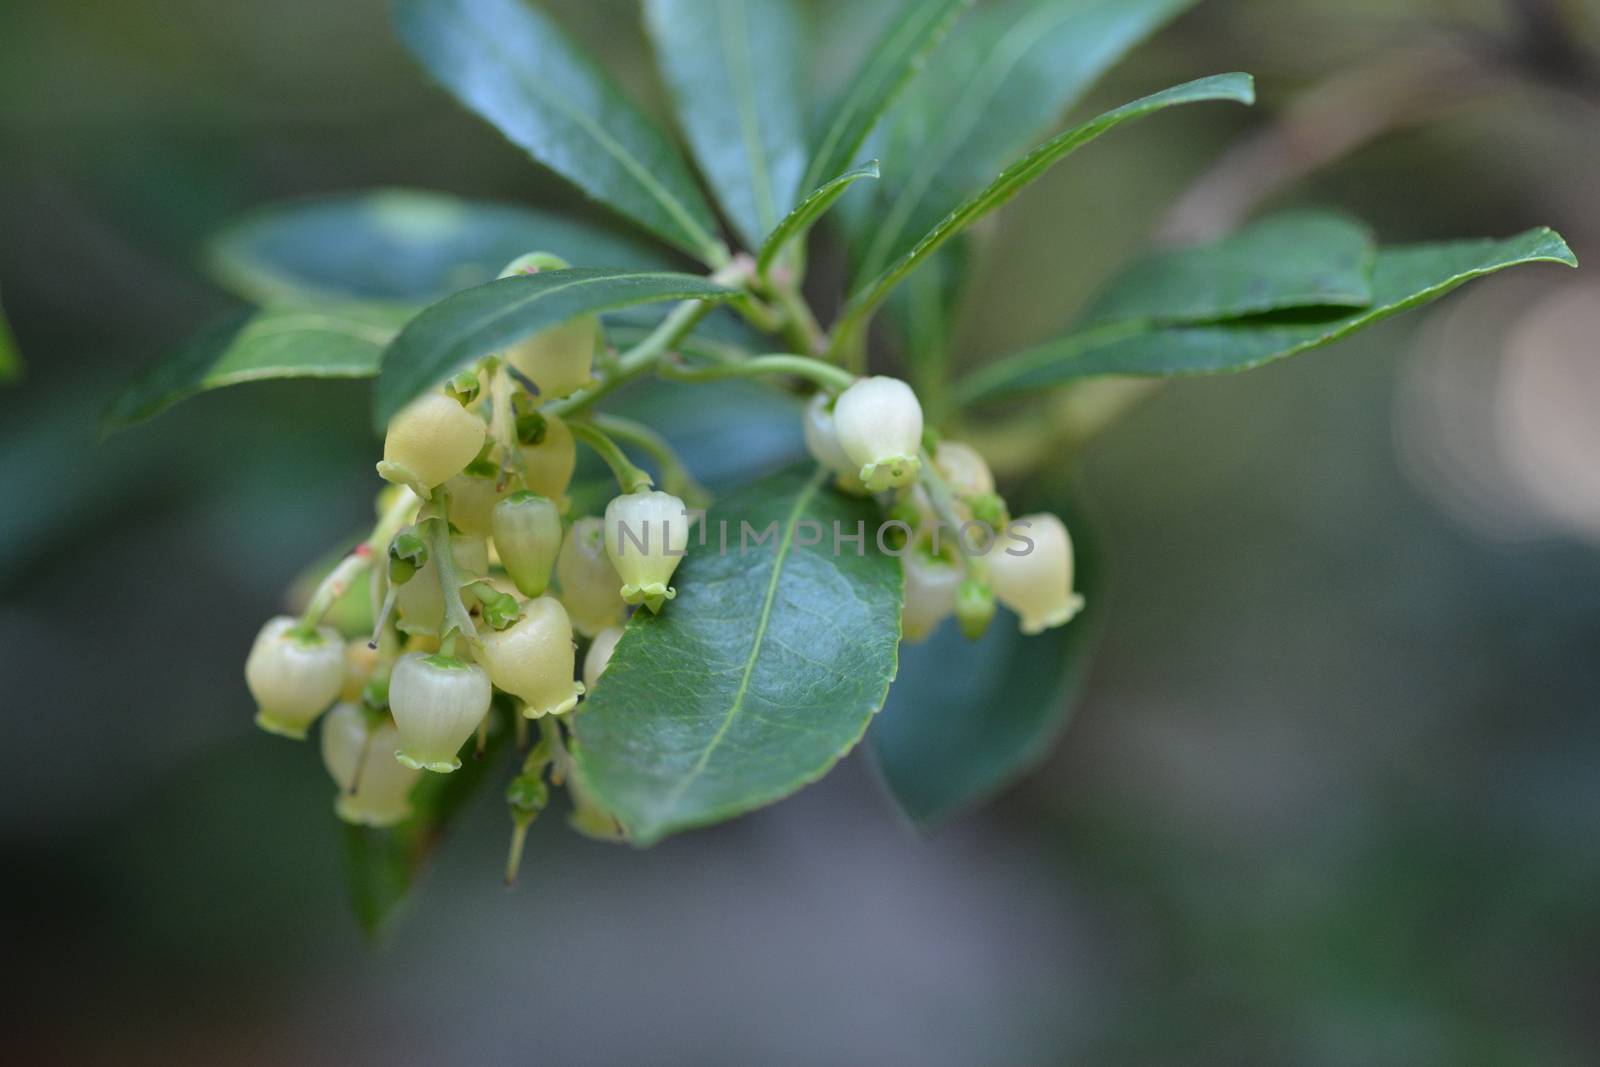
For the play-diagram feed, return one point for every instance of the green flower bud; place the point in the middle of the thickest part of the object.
(534, 659)
(930, 592)
(374, 788)
(590, 585)
(527, 537)
(408, 553)
(421, 602)
(293, 677)
(428, 441)
(991, 510)
(527, 796)
(438, 702)
(879, 424)
(646, 535)
(598, 657)
(472, 501)
(548, 465)
(974, 608)
(1030, 568)
(531, 424)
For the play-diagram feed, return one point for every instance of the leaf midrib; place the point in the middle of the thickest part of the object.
(802, 501)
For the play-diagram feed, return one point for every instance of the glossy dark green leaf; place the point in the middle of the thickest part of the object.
(1402, 278)
(398, 246)
(10, 359)
(322, 342)
(734, 67)
(967, 718)
(914, 31)
(989, 91)
(798, 222)
(1238, 88)
(476, 322)
(763, 672)
(1295, 260)
(383, 865)
(513, 66)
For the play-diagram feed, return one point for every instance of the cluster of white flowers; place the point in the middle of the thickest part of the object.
(871, 437)
(486, 473)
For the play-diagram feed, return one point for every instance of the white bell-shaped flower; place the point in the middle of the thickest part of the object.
(598, 657)
(646, 535)
(879, 423)
(930, 588)
(374, 787)
(293, 677)
(472, 501)
(591, 589)
(1030, 570)
(438, 702)
(430, 439)
(527, 537)
(964, 469)
(548, 465)
(534, 658)
(822, 441)
(420, 601)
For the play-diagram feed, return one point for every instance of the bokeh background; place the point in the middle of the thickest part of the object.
(1333, 796)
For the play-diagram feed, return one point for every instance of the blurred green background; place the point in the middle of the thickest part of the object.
(1334, 795)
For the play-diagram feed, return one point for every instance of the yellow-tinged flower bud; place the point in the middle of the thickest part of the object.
(360, 663)
(964, 469)
(472, 501)
(931, 585)
(598, 657)
(646, 535)
(431, 439)
(1030, 569)
(879, 423)
(560, 360)
(421, 602)
(293, 677)
(534, 658)
(822, 441)
(548, 465)
(438, 702)
(527, 537)
(590, 585)
(374, 787)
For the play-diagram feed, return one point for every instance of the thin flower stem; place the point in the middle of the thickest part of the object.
(834, 379)
(800, 325)
(638, 359)
(944, 508)
(674, 473)
(630, 478)
(339, 580)
(456, 618)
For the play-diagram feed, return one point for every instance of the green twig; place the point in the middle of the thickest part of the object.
(638, 359)
(629, 477)
(834, 379)
(674, 472)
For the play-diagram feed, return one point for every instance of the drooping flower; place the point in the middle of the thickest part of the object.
(559, 360)
(1030, 569)
(879, 424)
(590, 586)
(598, 657)
(534, 658)
(646, 535)
(930, 591)
(527, 537)
(374, 787)
(293, 676)
(548, 463)
(438, 702)
(822, 441)
(429, 440)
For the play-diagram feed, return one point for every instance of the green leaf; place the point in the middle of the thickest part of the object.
(734, 67)
(1402, 278)
(382, 865)
(477, 322)
(988, 93)
(967, 718)
(514, 67)
(398, 246)
(762, 673)
(916, 30)
(1238, 88)
(328, 342)
(10, 359)
(1296, 260)
(798, 223)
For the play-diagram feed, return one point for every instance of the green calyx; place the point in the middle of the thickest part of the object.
(974, 608)
(499, 609)
(408, 553)
(464, 388)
